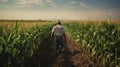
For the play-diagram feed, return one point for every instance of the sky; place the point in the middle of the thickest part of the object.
(60, 9)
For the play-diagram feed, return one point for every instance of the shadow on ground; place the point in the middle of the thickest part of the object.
(44, 56)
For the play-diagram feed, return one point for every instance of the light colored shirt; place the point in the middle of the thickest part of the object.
(58, 30)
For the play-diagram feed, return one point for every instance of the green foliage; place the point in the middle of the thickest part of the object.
(101, 41)
(17, 43)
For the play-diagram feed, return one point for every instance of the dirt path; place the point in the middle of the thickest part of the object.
(71, 56)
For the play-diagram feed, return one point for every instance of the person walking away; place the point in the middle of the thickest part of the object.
(59, 36)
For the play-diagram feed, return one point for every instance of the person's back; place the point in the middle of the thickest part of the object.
(58, 33)
(58, 30)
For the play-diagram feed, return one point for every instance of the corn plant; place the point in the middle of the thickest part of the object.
(17, 43)
(102, 41)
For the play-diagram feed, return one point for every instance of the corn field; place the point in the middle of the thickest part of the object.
(18, 43)
(101, 41)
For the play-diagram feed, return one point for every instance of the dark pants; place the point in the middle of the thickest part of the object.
(58, 40)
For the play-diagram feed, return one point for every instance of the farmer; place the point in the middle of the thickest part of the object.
(58, 34)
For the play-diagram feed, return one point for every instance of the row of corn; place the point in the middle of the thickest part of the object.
(101, 41)
(18, 43)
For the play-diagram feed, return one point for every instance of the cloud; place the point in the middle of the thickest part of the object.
(22, 5)
(72, 2)
(62, 14)
(49, 1)
(3, 1)
(84, 5)
(27, 2)
(88, 6)
(93, 14)
(24, 2)
(54, 5)
(71, 5)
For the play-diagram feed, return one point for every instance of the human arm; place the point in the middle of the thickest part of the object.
(52, 33)
(64, 37)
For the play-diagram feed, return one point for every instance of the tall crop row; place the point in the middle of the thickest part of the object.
(17, 43)
(102, 41)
